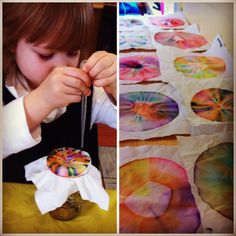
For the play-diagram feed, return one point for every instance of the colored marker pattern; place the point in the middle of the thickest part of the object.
(181, 40)
(68, 162)
(213, 104)
(140, 111)
(139, 67)
(200, 67)
(214, 178)
(163, 22)
(155, 197)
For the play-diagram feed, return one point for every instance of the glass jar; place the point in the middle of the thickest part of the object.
(71, 163)
(70, 209)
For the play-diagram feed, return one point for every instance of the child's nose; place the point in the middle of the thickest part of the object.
(61, 60)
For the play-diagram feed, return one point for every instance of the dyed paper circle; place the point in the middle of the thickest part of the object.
(68, 162)
(181, 40)
(137, 41)
(213, 104)
(129, 23)
(166, 22)
(214, 178)
(122, 39)
(140, 111)
(200, 66)
(139, 68)
(134, 42)
(155, 197)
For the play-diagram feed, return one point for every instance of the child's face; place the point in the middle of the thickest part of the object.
(36, 61)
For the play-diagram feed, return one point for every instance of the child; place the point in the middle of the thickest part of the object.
(43, 86)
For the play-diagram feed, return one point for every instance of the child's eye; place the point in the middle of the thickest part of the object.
(45, 57)
(72, 54)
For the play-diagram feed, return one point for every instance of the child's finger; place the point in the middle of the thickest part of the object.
(76, 73)
(72, 91)
(73, 98)
(93, 60)
(76, 84)
(99, 67)
(105, 81)
(109, 71)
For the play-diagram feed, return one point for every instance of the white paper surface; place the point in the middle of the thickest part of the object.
(190, 148)
(218, 49)
(52, 190)
(177, 126)
(128, 154)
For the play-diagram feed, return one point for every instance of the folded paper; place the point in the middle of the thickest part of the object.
(53, 190)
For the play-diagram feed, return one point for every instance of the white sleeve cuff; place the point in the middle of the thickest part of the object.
(103, 110)
(16, 134)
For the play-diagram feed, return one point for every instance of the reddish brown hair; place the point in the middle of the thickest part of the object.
(63, 26)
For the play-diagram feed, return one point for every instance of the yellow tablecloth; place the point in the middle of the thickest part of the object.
(21, 215)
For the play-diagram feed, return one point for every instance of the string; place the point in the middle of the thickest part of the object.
(83, 113)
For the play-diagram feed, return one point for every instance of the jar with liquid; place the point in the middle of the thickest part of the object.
(68, 163)
(70, 209)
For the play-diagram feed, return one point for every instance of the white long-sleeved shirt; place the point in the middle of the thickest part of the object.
(16, 134)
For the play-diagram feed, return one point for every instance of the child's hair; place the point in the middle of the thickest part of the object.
(63, 26)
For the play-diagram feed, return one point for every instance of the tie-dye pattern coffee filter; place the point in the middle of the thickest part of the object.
(150, 110)
(153, 188)
(208, 160)
(188, 40)
(131, 22)
(139, 67)
(171, 21)
(208, 103)
(135, 39)
(213, 64)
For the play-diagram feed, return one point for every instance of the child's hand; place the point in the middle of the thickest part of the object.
(64, 85)
(101, 67)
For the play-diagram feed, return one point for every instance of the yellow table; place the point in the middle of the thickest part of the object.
(21, 214)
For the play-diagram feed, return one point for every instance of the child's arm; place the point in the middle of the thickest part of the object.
(101, 67)
(64, 85)
(15, 133)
